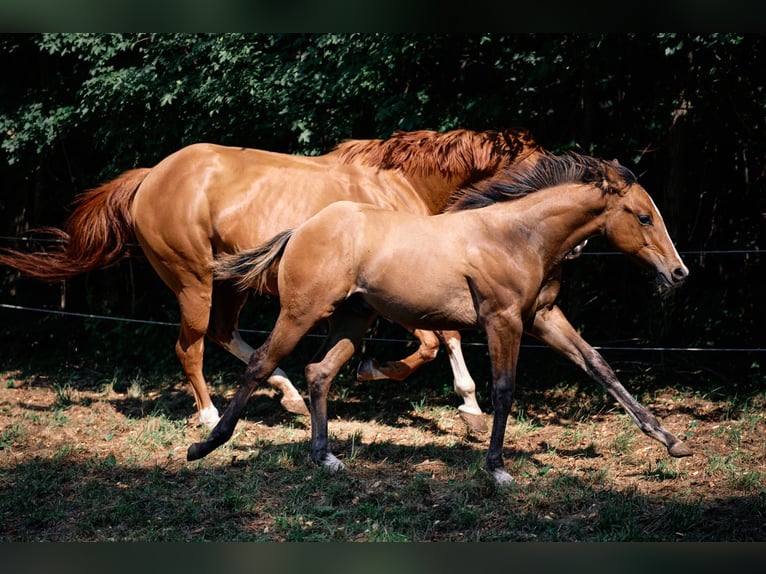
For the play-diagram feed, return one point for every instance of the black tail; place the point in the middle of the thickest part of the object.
(250, 269)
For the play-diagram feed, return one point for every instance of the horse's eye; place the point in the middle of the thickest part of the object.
(645, 219)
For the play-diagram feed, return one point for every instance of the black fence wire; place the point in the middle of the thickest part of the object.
(376, 339)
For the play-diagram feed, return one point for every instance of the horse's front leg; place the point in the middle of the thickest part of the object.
(503, 338)
(464, 384)
(552, 327)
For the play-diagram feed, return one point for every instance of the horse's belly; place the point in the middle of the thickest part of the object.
(425, 309)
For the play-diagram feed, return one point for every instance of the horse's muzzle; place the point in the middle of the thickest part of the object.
(668, 283)
(680, 274)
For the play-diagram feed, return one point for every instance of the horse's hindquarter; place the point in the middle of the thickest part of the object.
(171, 214)
(317, 268)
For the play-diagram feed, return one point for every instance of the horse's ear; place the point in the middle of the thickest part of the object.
(612, 178)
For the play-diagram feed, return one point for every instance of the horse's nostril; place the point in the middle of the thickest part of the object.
(680, 273)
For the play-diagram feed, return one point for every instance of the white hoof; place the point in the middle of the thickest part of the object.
(502, 477)
(332, 463)
(209, 417)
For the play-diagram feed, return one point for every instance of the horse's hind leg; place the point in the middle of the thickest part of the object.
(264, 360)
(226, 306)
(347, 326)
(190, 349)
(193, 291)
(464, 384)
(470, 412)
(371, 370)
(551, 326)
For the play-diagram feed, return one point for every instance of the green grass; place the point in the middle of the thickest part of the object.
(274, 495)
(11, 434)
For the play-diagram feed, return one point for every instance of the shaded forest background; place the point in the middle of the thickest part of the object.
(685, 112)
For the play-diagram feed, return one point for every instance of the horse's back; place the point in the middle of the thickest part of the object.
(222, 173)
(237, 198)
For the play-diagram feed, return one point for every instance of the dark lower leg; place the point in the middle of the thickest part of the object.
(347, 326)
(227, 304)
(261, 365)
(644, 419)
(553, 328)
(225, 427)
(502, 398)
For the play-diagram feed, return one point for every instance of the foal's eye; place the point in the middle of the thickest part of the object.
(645, 219)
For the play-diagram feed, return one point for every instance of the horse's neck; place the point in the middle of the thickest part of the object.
(436, 190)
(560, 218)
(433, 174)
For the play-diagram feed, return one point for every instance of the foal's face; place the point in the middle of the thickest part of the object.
(635, 227)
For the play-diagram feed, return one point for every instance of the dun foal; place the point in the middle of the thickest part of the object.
(492, 262)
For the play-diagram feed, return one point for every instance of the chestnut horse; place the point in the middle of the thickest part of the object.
(487, 262)
(206, 199)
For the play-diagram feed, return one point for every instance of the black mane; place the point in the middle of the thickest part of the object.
(550, 170)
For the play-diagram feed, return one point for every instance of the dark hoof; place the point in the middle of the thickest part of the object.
(367, 370)
(294, 406)
(477, 423)
(679, 450)
(196, 451)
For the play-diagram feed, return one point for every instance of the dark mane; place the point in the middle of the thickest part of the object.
(427, 152)
(549, 171)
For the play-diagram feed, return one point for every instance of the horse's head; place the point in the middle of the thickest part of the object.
(635, 227)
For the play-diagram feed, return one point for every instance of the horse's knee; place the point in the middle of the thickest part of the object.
(318, 378)
(314, 372)
(259, 367)
(429, 344)
(502, 393)
(465, 386)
